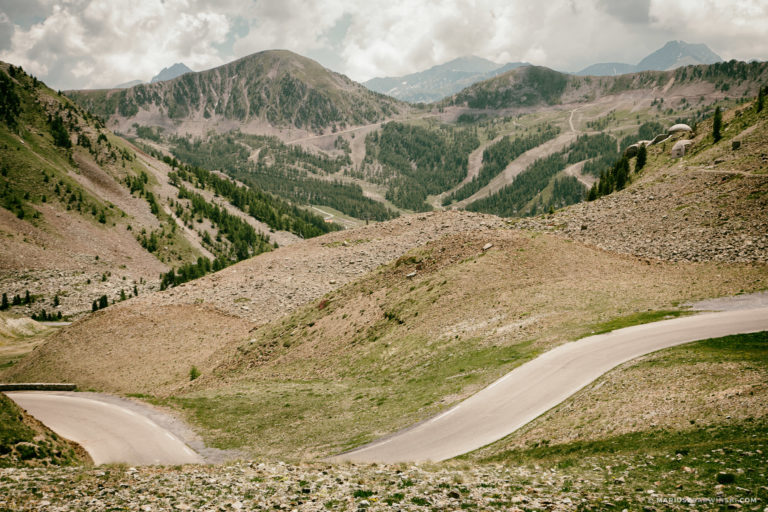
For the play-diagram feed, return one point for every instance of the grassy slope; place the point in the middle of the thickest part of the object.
(388, 351)
(77, 211)
(669, 421)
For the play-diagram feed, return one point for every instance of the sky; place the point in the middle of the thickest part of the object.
(77, 44)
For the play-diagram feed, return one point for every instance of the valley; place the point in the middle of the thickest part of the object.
(297, 266)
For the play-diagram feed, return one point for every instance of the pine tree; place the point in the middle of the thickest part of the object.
(4, 305)
(27, 298)
(16, 300)
(642, 157)
(717, 124)
(103, 302)
(760, 99)
(95, 306)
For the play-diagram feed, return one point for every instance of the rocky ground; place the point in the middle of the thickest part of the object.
(275, 283)
(689, 214)
(277, 486)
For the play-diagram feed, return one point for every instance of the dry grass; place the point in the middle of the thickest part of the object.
(387, 351)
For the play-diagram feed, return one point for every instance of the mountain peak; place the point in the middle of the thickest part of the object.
(172, 72)
(678, 53)
(673, 54)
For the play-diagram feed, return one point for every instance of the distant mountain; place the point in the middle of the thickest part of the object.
(274, 88)
(170, 73)
(128, 85)
(534, 86)
(439, 81)
(675, 54)
(672, 55)
(608, 69)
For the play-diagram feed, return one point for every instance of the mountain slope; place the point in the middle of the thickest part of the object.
(439, 81)
(276, 88)
(367, 349)
(86, 215)
(675, 54)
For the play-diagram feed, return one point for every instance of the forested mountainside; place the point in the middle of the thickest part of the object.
(274, 88)
(88, 219)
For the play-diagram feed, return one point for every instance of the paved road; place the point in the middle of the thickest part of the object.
(108, 432)
(534, 387)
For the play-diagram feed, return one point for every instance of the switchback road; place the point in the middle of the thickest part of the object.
(538, 385)
(108, 432)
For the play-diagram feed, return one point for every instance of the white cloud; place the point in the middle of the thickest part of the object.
(98, 43)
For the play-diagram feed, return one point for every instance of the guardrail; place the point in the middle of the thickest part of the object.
(37, 386)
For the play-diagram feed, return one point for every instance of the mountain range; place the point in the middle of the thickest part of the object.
(672, 55)
(169, 73)
(439, 81)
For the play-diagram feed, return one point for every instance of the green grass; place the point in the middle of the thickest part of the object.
(634, 319)
(20, 445)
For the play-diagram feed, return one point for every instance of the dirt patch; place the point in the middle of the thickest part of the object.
(141, 349)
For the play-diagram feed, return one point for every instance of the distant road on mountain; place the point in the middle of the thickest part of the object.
(535, 387)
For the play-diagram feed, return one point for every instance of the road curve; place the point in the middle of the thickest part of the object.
(538, 385)
(108, 432)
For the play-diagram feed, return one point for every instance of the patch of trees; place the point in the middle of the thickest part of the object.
(496, 158)
(291, 182)
(525, 87)
(419, 161)
(611, 180)
(244, 241)
(10, 103)
(567, 190)
(513, 198)
(17, 300)
(717, 125)
(59, 132)
(278, 214)
(190, 271)
(43, 316)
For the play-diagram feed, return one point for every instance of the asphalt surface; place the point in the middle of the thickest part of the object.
(108, 432)
(538, 385)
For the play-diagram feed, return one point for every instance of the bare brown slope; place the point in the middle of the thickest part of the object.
(149, 343)
(133, 348)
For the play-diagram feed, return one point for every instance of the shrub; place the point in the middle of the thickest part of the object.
(193, 373)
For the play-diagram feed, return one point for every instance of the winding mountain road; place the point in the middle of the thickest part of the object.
(108, 432)
(538, 385)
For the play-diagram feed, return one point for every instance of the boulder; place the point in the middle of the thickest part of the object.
(680, 148)
(631, 150)
(680, 127)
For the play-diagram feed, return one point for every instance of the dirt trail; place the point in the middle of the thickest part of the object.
(575, 171)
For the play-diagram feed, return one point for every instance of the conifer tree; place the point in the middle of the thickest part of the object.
(642, 157)
(4, 305)
(717, 124)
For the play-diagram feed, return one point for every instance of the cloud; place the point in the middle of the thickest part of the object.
(628, 11)
(98, 43)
